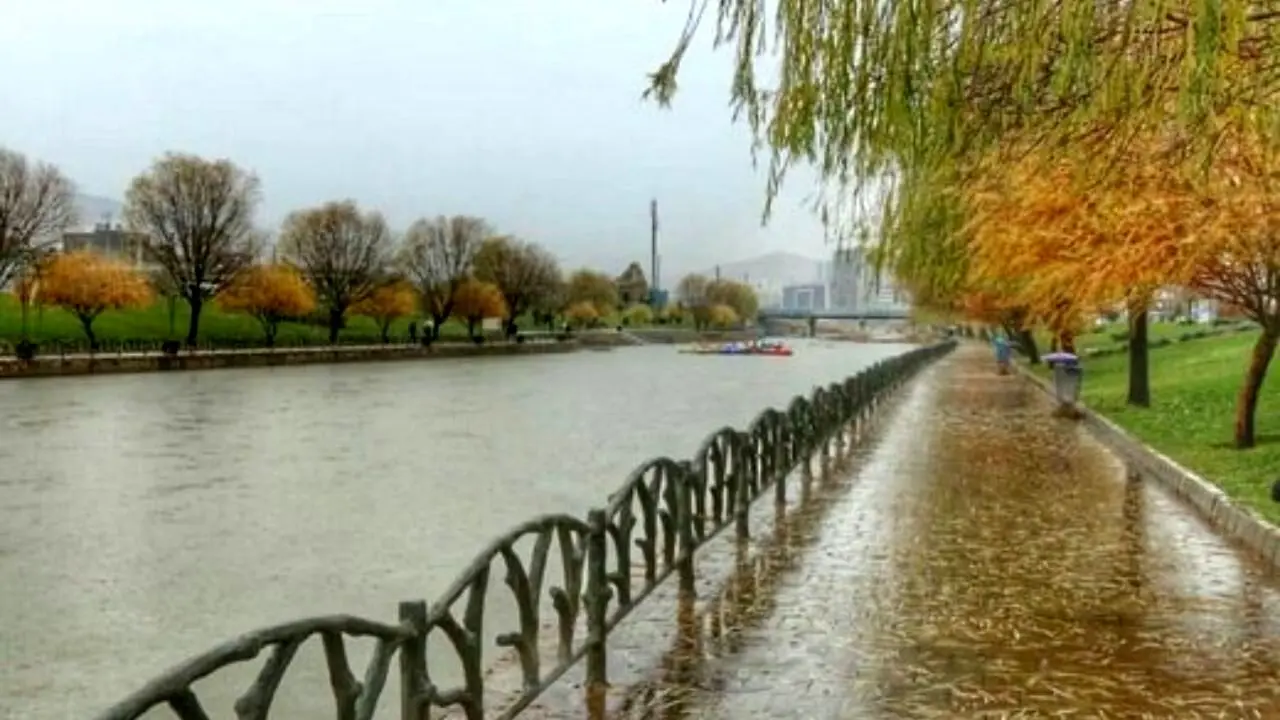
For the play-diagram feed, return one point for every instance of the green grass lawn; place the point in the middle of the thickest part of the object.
(54, 329)
(1113, 337)
(1193, 393)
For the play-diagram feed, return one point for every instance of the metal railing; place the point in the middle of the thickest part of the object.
(665, 511)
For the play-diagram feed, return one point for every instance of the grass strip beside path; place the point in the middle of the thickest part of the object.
(1193, 398)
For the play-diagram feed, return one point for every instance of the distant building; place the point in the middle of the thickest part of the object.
(856, 285)
(110, 240)
(632, 286)
(807, 297)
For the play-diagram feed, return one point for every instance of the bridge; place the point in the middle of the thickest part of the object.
(870, 314)
(885, 546)
(813, 316)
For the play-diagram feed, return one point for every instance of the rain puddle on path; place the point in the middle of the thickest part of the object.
(985, 561)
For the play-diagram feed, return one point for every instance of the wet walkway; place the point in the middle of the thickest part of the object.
(980, 560)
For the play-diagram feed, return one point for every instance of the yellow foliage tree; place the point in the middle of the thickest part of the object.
(594, 287)
(581, 314)
(26, 286)
(722, 316)
(87, 284)
(386, 304)
(638, 315)
(271, 294)
(1066, 236)
(739, 296)
(476, 300)
(674, 314)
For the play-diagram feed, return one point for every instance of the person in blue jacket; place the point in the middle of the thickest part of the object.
(1004, 352)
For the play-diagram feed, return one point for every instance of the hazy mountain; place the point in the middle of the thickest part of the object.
(774, 269)
(93, 209)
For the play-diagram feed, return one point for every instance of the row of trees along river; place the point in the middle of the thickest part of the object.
(194, 220)
(1036, 163)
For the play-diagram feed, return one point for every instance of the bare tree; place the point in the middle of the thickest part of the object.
(527, 274)
(343, 253)
(198, 218)
(37, 203)
(438, 256)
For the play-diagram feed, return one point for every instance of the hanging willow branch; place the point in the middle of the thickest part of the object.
(901, 97)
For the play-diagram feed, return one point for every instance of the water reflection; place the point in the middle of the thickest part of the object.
(987, 561)
(145, 518)
(748, 599)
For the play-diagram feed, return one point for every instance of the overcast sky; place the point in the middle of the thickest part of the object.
(526, 112)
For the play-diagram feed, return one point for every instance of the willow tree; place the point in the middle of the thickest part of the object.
(1066, 243)
(904, 94)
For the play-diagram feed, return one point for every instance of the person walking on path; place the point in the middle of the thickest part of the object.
(1004, 353)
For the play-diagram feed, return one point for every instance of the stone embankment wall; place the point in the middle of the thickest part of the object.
(154, 362)
(661, 336)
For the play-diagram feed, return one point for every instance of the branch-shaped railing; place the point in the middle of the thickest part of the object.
(610, 562)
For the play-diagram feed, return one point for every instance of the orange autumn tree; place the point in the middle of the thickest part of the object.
(581, 314)
(271, 294)
(1069, 238)
(386, 304)
(1146, 220)
(87, 284)
(476, 300)
(1231, 252)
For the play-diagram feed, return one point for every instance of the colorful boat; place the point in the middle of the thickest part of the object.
(768, 348)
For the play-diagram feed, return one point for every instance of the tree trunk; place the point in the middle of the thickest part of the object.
(1067, 342)
(193, 327)
(172, 301)
(86, 322)
(471, 327)
(384, 327)
(436, 322)
(335, 324)
(1247, 403)
(270, 326)
(1139, 363)
(1027, 342)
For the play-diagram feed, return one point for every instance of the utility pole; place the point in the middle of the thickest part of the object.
(653, 246)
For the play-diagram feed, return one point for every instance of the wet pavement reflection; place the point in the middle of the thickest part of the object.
(979, 560)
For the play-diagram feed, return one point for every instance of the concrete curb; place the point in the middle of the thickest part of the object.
(1237, 523)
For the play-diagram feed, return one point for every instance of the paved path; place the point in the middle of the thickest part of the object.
(980, 560)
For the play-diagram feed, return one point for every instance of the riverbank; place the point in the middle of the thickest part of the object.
(661, 336)
(56, 331)
(1193, 397)
(104, 363)
(111, 363)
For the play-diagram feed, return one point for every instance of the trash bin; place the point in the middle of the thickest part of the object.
(1067, 377)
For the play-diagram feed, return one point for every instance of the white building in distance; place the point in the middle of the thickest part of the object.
(855, 285)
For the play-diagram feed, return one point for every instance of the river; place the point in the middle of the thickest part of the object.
(144, 518)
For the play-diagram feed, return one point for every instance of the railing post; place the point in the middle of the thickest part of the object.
(742, 496)
(779, 479)
(597, 597)
(684, 528)
(413, 662)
